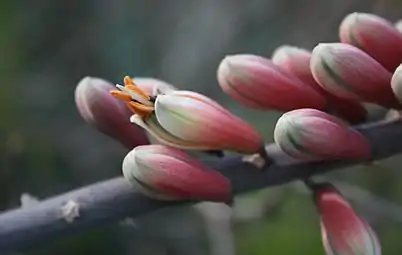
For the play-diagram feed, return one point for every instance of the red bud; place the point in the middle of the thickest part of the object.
(256, 82)
(350, 73)
(107, 114)
(374, 35)
(343, 231)
(297, 62)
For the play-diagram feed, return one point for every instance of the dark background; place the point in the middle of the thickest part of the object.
(47, 46)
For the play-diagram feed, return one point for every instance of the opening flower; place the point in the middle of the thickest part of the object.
(188, 120)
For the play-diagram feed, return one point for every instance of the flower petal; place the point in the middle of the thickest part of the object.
(199, 121)
(153, 86)
(152, 126)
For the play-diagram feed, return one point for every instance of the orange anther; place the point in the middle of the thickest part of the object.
(131, 87)
(129, 83)
(120, 95)
(140, 109)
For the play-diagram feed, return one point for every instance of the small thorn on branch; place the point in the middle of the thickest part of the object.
(27, 200)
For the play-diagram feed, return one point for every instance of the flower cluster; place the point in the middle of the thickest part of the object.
(322, 92)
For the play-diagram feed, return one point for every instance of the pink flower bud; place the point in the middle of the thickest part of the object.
(256, 82)
(107, 114)
(374, 35)
(166, 173)
(297, 62)
(312, 134)
(396, 83)
(343, 231)
(349, 73)
(196, 119)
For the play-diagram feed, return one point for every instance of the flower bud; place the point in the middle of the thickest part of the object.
(349, 73)
(343, 231)
(396, 83)
(311, 134)
(106, 113)
(153, 86)
(374, 35)
(188, 120)
(294, 60)
(256, 82)
(297, 62)
(166, 173)
(197, 119)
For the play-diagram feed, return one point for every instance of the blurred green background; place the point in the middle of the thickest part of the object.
(47, 46)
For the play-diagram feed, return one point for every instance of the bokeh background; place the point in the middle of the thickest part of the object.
(47, 46)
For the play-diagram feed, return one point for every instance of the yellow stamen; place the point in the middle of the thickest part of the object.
(120, 95)
(140, 109)
(129, 83)
(136, 107)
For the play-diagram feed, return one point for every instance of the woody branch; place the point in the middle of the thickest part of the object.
(111, 200)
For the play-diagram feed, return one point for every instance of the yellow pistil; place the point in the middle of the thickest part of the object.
(134, 105)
